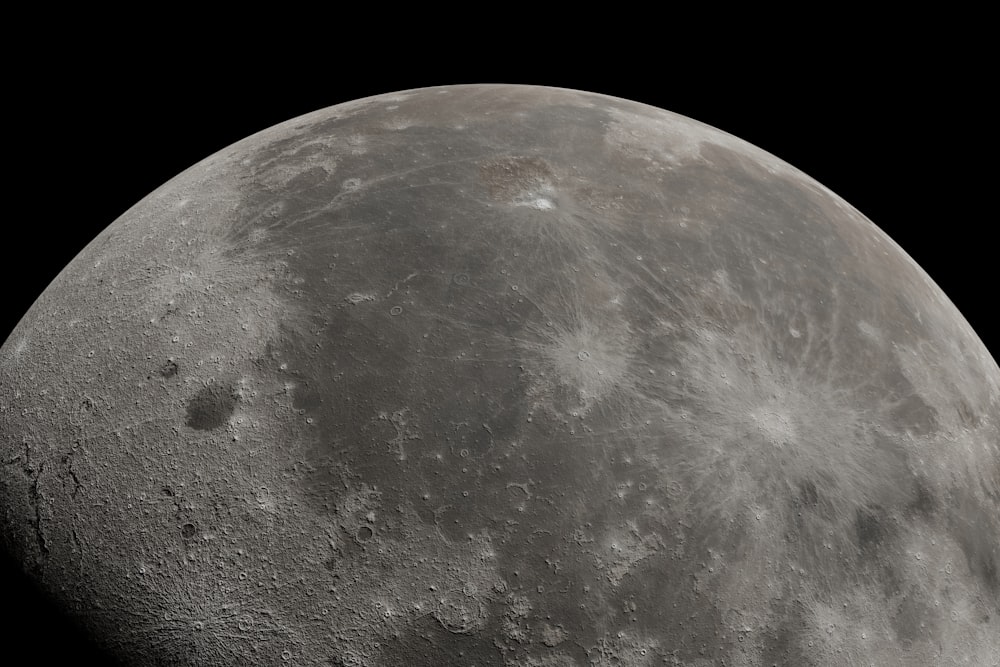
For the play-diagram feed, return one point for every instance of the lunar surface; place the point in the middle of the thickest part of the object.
(504, 376)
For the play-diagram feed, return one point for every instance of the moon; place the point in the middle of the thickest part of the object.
(504, 375)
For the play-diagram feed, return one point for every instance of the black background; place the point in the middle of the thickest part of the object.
(900, 127)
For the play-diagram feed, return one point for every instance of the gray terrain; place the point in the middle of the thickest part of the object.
(504, 375)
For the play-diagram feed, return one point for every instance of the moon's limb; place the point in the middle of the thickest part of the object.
(504, 375)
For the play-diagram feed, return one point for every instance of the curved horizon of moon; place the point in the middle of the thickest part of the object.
(504, 375)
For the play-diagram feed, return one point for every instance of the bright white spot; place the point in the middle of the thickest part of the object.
(868, 330)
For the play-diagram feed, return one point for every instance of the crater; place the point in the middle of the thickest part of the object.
(211, 407)
(513, 177)
(590, 361)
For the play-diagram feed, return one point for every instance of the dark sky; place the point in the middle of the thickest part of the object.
(903, 138)
(902, 131)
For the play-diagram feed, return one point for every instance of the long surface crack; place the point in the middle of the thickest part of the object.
(36, 499)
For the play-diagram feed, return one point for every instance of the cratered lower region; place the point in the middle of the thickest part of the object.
(504, 375)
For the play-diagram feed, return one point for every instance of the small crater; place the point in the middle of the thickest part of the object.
(364, 534)
(460, 279)
(459, 613)
(169, 369)
(188, 531)
(589, 362)
(211, 407)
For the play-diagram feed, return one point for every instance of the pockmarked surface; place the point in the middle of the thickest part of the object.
(504, 375)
